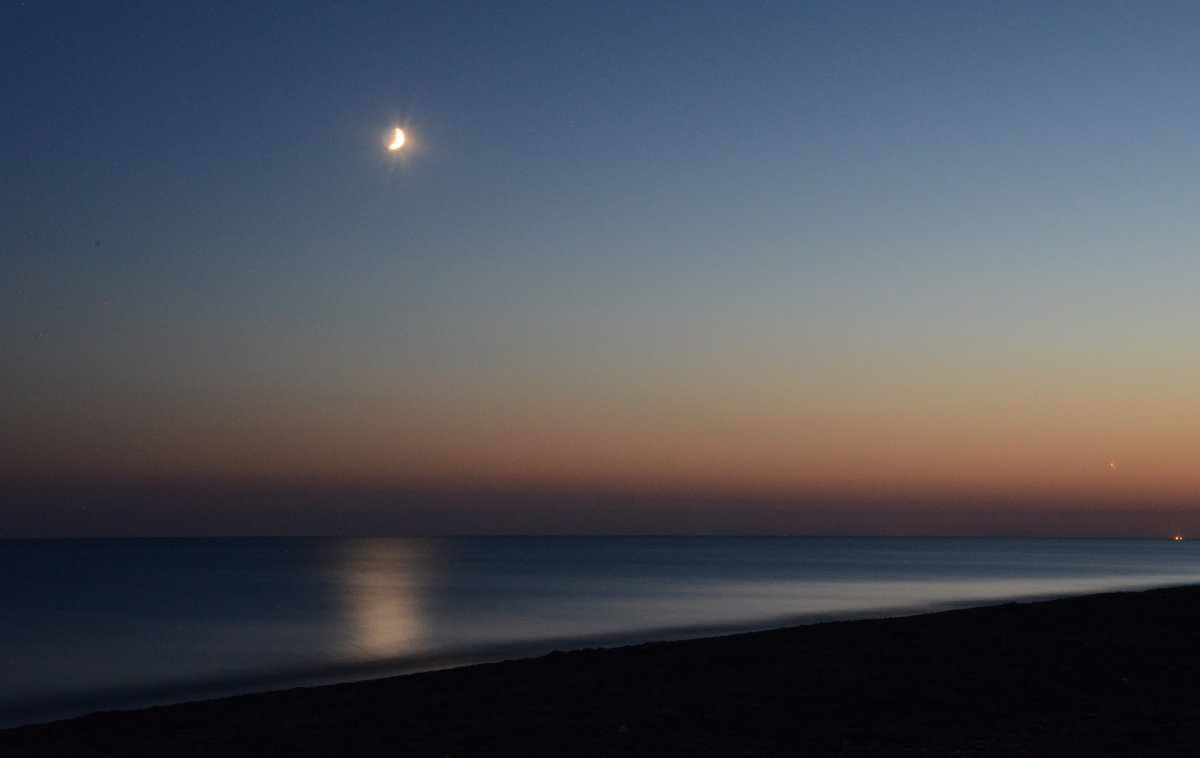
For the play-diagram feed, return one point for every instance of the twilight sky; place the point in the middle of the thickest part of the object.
(845, 258)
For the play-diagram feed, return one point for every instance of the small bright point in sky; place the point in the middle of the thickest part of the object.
(397, 140)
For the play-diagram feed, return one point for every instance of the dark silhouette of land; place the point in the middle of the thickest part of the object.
(1105, 675)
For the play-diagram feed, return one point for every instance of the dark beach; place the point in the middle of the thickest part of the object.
(1114, 674)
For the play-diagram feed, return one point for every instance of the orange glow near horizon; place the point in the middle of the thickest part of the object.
(896, 453)
(911, 428)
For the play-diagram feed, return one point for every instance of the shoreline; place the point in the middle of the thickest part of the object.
(57, 708)
(51, 709)
(1108, 674)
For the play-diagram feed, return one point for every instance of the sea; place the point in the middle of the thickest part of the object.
(102, 624)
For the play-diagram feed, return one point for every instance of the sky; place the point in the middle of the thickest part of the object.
(797, 267)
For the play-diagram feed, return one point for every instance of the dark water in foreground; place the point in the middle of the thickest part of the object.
(91, 624)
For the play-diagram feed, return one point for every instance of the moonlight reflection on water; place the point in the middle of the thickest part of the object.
(382, 582)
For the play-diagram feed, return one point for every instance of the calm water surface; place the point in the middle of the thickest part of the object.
(88, 624)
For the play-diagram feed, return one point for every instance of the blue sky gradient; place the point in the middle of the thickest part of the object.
(938, 251)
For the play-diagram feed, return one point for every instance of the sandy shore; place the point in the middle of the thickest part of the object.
(1115, 674)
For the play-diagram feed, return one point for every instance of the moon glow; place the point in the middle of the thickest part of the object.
(398, 142)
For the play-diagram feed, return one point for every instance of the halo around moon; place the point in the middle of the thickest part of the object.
(398, 141)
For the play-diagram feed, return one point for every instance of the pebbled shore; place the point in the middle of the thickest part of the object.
(1105, 675)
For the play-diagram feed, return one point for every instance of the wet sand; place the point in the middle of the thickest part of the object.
(1105, 675)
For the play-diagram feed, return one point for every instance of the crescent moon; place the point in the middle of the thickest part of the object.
(398, 142)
